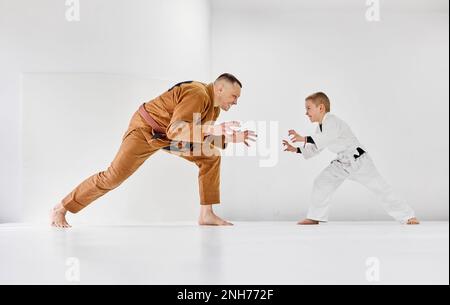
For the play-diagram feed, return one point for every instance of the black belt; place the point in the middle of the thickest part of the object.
(360, 153)
(180, 147)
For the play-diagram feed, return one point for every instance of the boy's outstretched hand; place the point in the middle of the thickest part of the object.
(289, 147)
(295, 137)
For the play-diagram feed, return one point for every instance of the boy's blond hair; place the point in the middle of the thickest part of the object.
(319, 98)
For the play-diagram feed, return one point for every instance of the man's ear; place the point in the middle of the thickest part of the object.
(220, 87)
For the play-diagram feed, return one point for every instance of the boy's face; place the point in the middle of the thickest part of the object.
(315, 113)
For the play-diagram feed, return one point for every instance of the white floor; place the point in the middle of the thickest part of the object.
(248, 253)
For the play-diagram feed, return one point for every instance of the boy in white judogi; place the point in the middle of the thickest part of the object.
(352, 162)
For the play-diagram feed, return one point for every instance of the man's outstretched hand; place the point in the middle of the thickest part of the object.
(242, 137)
(228, 129)
(223, 128)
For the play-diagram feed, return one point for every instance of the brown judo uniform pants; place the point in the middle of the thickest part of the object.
(137, 145)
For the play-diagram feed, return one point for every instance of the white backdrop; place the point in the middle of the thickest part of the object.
(388, 79)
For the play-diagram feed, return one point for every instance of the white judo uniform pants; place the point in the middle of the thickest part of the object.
(361, 170)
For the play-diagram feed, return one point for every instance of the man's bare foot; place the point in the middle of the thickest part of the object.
(307, 221)
(208, 218)
(58, 217)
(413, 221)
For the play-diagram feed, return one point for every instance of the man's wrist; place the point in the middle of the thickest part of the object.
(228, 138)
(210, 130)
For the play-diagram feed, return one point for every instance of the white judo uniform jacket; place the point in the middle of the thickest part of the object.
(353, 163)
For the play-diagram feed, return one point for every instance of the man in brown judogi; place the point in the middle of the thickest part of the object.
(181, 121)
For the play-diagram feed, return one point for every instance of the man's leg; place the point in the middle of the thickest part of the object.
(133, 151)
(324, 186)
(209, 185)
(395, 206)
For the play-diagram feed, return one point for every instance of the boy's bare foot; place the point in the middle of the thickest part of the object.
(208, 218)
(308, 222)
(58, 217)
(413, 221)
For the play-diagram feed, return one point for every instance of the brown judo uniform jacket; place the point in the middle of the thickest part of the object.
(180, 112)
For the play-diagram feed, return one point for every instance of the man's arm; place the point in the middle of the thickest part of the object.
(223, 134)
(185, 124)
(217, 141)
(217, 134)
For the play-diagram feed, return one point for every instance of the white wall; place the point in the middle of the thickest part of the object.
(387, 79)
(161, 39)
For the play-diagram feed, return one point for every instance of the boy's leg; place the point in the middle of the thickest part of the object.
(369, 176)
(324, 186)
(209, 184)
(133, 151)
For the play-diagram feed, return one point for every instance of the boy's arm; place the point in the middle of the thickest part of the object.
(308, 150)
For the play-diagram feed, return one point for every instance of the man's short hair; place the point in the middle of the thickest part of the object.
(320, 98)
(230, 78)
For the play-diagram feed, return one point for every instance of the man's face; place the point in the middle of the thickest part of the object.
(314, 112)
(227, 95)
